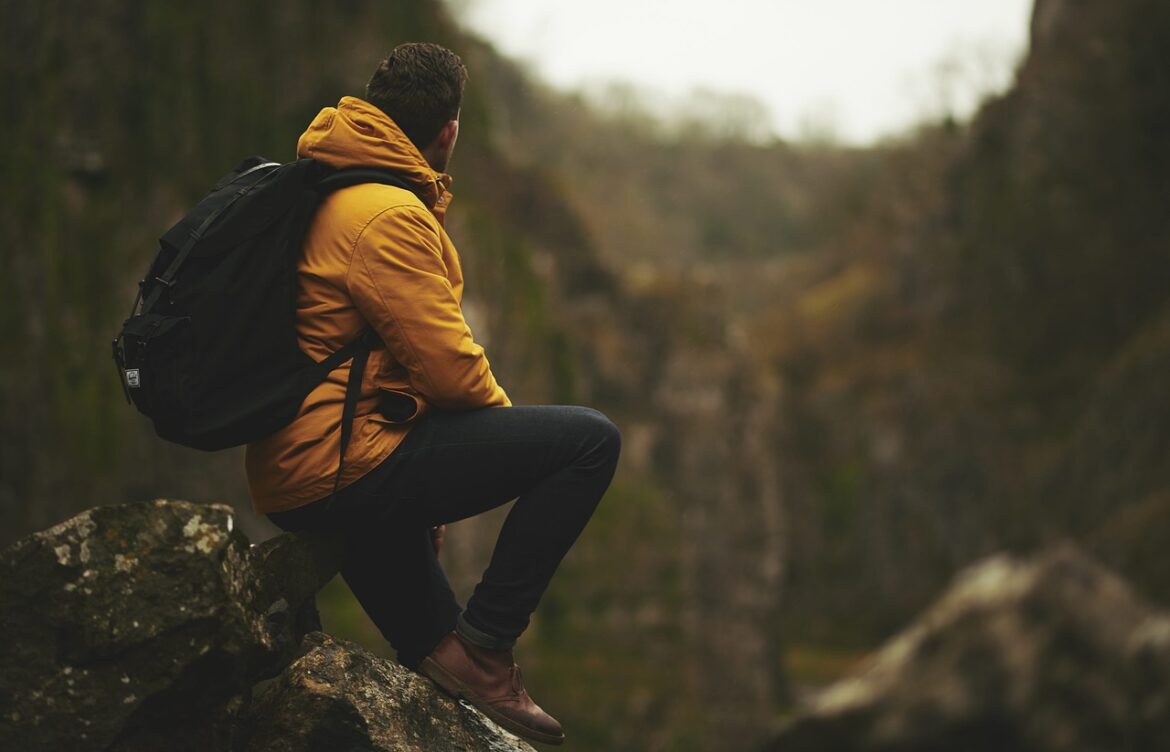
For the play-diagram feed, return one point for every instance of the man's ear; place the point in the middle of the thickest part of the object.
(447, 136)
(438, 152)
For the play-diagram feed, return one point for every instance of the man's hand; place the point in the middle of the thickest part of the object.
(438, 533)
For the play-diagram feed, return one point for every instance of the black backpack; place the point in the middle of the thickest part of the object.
(211, 354)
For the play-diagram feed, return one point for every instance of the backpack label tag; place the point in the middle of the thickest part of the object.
(132, 378)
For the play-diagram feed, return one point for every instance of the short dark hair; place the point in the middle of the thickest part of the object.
(420, 86)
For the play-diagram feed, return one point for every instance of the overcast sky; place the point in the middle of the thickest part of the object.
(858, 68)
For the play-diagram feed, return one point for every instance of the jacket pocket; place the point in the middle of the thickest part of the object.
(396, 406)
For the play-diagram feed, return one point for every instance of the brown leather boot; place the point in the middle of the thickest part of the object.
(490, 680)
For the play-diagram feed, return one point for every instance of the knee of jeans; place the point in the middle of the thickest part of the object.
(604, 432)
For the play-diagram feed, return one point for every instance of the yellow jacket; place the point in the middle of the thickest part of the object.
(376, 255)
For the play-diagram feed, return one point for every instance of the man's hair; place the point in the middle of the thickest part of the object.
(420, 86)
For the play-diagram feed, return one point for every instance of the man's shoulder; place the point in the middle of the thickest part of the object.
(363, 203)
(375, 214)
(383, 214)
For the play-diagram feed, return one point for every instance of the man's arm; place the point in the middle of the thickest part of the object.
(399, 284)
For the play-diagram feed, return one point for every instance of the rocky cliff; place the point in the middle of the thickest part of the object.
(141, 627)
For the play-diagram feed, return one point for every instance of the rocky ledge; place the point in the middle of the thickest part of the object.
(158, 626)
(1048, 654)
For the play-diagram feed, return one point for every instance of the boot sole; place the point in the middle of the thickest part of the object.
(452, 686)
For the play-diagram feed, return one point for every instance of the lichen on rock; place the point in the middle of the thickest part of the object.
(338, 695)
(140, 627)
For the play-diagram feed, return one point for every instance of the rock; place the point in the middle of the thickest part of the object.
(146, 627)
(286, 573)
(1049, 655)
(132, 627)
(338, 696)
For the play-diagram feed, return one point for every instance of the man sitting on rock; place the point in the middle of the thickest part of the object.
(435, 438)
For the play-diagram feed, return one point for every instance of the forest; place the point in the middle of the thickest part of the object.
(842, 374)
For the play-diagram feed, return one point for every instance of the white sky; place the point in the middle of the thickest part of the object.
(857, 68)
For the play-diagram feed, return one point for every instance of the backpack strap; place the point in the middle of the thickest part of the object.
(355, 175)
(166, 279)
(359, 350)
(332, 182)
(367, 340)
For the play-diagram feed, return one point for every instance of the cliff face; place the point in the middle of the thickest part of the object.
(974, 370)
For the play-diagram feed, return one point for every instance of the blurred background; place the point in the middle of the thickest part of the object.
(872, 289)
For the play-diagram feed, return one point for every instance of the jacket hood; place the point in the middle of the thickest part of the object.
(355, 133)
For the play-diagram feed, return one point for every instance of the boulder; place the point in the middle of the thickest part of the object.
(1052, 654)
(339, 696)
(130, 625)
(147, 627)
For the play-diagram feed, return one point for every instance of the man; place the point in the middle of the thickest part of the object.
(435, 438)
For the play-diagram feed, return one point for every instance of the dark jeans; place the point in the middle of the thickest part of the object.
(555, 461)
